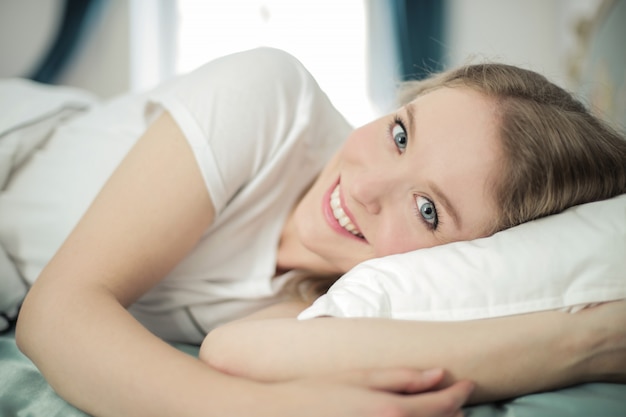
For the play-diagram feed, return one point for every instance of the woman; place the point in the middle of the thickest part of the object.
(255, 131)
(543, 166)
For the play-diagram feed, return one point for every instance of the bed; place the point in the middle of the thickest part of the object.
(24, 392)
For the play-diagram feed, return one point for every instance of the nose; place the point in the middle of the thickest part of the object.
(368, 191)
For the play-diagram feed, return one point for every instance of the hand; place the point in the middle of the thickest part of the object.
(372, 393)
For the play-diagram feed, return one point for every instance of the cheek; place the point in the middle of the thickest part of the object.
(391, 241)
(360, 141)
(350, 146)
(395, 248)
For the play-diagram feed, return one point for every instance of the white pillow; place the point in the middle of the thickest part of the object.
(565, 261)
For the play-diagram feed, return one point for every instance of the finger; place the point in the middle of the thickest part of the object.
(396, 380)
(442, 403)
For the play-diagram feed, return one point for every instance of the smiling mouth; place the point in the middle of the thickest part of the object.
(341, 216)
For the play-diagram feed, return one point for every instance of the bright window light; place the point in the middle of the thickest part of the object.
(327, 36)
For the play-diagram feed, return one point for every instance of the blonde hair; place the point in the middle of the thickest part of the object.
(556, 153)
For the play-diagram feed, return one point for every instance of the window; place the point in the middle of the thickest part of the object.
(327, 36)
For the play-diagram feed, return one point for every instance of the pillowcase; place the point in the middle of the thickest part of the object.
(565, 261)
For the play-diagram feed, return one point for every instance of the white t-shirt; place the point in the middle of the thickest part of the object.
(260, 129)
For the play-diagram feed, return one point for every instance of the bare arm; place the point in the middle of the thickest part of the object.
(140, 225)
(75, 328)
(506, 357)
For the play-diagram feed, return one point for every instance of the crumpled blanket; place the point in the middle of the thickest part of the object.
(29, 113)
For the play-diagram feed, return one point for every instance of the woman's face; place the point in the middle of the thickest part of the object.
(414, 179)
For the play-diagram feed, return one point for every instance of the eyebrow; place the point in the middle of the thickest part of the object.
(440, 196)
(410, 111)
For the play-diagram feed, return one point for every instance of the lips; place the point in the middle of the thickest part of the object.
(338, 216)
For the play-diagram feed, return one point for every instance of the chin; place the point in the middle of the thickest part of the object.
(344, 265)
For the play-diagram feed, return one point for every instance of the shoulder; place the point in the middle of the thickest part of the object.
(260, 69)
(264, 59)
(262, 80)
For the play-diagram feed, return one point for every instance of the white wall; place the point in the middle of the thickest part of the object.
(534, 34)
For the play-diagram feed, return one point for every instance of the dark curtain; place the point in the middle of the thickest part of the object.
(419, 25)
(74, 23)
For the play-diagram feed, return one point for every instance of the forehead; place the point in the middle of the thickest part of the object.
(459, 100)
(455, 117)
(456, 132)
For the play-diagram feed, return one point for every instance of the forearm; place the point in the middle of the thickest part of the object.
(505, 357)
(99, 359)
(119, 369)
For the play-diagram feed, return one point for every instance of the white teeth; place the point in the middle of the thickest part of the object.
(340, 215)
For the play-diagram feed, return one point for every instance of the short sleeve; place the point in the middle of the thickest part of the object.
(239, 110)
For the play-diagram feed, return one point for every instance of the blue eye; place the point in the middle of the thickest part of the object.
(427, 210)
(399, 136)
